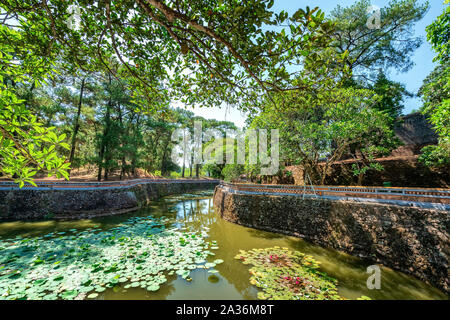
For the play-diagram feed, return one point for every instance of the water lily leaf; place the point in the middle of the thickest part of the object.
(40, 282)
(68, 295)
(69, 266)
(282, 274)
(153, 287)
(86, 289)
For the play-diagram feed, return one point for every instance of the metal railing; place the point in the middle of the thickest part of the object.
(79, 185)
(409, 194)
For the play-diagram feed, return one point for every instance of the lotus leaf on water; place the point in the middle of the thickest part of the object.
(283, 274)
(76, 264)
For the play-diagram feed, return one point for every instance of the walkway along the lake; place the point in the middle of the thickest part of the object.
(77, 200)
(407, 231)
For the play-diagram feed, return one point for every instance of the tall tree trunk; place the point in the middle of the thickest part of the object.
(184, 167)
(100, 156)
(76, 125)
(184, 155)
(324, 173)
(164, 164)
(190, 165)
(104, 141)
(134, 159)
(197, 167)
(360, 179)
(164, 170)
(123, 133)
(102, 151)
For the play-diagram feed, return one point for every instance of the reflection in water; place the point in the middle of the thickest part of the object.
(194, 212)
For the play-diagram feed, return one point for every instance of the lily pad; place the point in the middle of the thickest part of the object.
(282, 274)
(78, 262)
(70, 294)
(153, 287)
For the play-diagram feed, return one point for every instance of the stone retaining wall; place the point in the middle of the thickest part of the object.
(408, 239)
(59, 203)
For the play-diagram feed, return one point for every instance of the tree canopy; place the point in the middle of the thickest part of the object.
(197, 51)
(387, 46)
(375, 50)
(328, 127)
(391, 94)
(93, 83)
(435, 91)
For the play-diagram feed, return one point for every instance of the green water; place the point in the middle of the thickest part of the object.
(195, 212)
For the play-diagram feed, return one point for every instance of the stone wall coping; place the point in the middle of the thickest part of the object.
(414, 204)
(104, 185)
(397, 190)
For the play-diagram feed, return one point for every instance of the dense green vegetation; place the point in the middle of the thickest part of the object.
(105, 129)
(192, 52)
(435, 91)
(98, 92)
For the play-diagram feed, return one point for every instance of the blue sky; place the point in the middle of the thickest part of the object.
(423, 57)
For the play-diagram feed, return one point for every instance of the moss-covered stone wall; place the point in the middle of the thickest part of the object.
(412, 240)
(60, 203)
